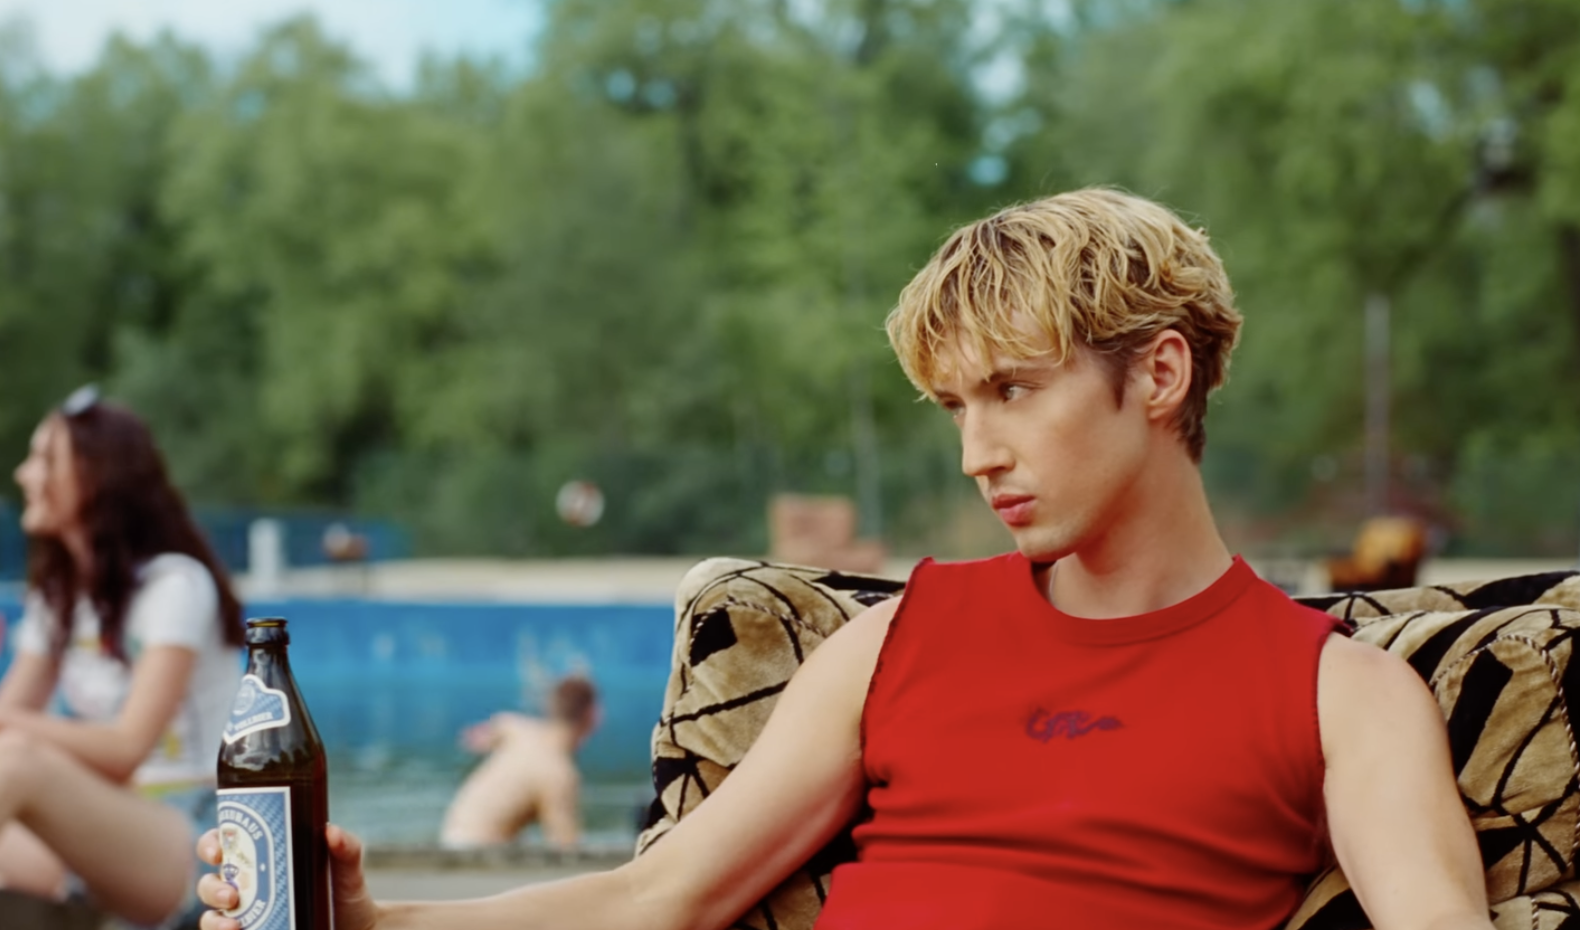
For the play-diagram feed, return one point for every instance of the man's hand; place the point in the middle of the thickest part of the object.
(354, 908)
(480, 737)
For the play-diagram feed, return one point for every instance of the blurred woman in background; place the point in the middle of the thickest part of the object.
(129, 620)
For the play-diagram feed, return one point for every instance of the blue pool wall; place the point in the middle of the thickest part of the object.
(385, 680)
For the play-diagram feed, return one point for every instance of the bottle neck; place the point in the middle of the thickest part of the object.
(266, 659)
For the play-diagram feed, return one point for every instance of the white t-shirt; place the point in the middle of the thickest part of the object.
(175, 604)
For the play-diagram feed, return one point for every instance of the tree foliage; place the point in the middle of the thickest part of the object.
(660, 257)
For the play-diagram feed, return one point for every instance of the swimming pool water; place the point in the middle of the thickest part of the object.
(390, 685)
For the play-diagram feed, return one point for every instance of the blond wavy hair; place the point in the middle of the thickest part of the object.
(1096, 269)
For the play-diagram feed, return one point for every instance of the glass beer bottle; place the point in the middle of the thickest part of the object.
(273, 795)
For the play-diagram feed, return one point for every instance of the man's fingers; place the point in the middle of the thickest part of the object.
(350, 891)
(480, 737)
(213, 890)
(214, 920)
(345, 873)
(343, 845)
(354, 907)
(217, 893)
(208, 847)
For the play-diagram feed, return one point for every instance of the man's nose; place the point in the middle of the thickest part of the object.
(982, 453)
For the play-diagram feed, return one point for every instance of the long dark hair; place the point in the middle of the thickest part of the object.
(130, 513)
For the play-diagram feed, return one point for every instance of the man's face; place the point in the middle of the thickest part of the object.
(1052, 449)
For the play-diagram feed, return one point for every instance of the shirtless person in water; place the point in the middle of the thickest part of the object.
(530, 773)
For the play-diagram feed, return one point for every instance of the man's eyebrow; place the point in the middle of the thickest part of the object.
(996, 376)
(1008, 371)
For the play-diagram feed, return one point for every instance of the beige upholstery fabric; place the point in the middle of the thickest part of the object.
(1558, 589)
(1509, 692)
(742, 628)
(1502, 677)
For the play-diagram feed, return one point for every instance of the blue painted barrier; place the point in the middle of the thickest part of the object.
(227, 529)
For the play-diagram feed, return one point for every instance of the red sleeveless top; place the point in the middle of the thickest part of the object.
(1028, 768)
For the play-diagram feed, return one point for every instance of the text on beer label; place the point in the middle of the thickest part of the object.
(255, 855)
(257, 707)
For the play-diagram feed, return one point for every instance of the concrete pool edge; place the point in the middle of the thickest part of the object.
(435, 857)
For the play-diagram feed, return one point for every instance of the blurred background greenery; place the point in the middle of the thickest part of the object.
(658, 256)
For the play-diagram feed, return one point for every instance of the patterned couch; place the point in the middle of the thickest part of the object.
(1495, 654)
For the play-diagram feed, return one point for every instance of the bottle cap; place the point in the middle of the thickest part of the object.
(267, 630)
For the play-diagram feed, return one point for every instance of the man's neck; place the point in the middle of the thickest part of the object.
(564, 735)
(1162, 549)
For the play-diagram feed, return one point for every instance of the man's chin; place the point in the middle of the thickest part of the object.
(1040, 548)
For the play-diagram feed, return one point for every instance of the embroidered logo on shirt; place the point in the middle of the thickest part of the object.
(1043, 726)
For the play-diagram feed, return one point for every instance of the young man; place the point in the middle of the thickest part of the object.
(1115, 726)
(530, 773)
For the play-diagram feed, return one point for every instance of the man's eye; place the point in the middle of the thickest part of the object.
(1012, 391)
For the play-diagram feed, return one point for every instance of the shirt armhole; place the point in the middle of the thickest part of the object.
(905, 596)
(176, 605)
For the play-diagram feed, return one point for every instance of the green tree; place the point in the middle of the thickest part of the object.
(333, 235)
(1337, 150)
(86, 253)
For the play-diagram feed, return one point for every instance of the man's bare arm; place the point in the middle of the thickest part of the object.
(801, 782)
(1398, 826)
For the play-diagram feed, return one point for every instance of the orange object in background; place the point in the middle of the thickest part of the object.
(1387, 554)
(342, 545)
(820, 531)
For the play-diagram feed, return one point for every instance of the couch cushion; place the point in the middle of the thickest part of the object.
(1560, 589)
(1557, 908)
(1330, 905)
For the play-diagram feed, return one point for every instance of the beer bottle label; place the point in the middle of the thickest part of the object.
(255, 855)
(257, 707)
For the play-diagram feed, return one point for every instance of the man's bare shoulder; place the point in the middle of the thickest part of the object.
(1364, 691)
(1349, 664)
(843, 665)
(878, 616)
(559, 776)
(519, 731)
(864, 633)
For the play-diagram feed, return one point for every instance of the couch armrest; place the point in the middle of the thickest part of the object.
(1560, 589)
(742, 628)
(1508, 685)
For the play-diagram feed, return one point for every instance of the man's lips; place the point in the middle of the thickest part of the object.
(1014, 509)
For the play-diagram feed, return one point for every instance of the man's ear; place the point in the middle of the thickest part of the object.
(1166, 373)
